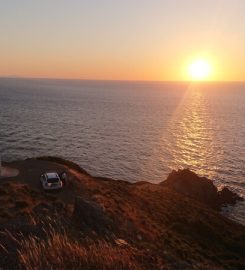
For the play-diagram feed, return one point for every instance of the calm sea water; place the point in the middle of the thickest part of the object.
(129, 130)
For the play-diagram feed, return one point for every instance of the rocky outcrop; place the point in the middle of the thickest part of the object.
(88, 214)
(201, 189)
(228, 197)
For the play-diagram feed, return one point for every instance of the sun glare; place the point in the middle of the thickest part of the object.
(199, 70)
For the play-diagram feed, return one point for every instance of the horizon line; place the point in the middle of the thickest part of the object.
(121, 80)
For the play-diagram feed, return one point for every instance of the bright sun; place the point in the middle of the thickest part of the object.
(199, 70)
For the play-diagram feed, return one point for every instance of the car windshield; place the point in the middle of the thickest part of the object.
(53, 180)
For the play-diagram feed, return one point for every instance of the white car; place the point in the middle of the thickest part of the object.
(50, 181)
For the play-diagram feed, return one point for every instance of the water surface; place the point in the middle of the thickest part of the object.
(129, 130)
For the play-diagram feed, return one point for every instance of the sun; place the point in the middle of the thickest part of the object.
(199, 70)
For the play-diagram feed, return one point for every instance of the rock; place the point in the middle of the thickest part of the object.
(199, 188)
(139, 237)
(121, 242)
(90, 215)
(190, 184)
(228, 197)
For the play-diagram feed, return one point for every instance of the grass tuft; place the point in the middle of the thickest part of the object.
(58, 251)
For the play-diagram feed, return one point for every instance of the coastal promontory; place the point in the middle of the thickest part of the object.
(101, 223)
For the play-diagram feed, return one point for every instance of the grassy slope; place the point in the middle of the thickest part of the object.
(161, 229)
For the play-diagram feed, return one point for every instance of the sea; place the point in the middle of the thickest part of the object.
(134, 131)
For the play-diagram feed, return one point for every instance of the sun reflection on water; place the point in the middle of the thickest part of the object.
(192, 139)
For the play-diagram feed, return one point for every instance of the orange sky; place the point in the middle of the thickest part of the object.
(133, 40)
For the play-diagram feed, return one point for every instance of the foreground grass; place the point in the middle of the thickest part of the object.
(58, 251)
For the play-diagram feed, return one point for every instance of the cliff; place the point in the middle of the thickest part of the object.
(100, 223)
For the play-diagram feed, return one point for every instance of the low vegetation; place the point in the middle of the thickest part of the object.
(58, 251)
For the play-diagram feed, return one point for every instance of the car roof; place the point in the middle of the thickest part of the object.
(52, 175)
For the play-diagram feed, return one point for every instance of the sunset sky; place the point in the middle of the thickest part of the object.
(121, 40)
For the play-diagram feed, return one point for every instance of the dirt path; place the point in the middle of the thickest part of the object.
(8, 172)
(31, 170)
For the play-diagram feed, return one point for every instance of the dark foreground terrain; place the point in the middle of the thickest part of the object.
(99, 223)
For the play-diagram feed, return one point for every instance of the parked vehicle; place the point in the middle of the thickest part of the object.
(50, 181)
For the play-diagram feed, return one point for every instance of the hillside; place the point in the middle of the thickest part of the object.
(100, 223)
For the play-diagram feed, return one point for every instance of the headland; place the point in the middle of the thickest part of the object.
(101, 223)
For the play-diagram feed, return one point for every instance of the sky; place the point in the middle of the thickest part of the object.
(121, 40)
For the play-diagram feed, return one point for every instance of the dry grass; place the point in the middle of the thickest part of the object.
(58, 251)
